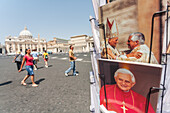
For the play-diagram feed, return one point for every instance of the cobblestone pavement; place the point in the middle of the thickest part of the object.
(55, 93)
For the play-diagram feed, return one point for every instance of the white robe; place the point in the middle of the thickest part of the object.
(114, 51)
(145, 55)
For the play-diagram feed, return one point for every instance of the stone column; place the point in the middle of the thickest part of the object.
(39, 43)
(90, 45)
(18, 47)
(26, 46)
(30, 46)
(83, 49)
(33, 46)
(7, 47)
(87, 47)
(37, 48)
(45, 46)
(55, 50)
(13, 48)
(41, 48)
(23, 48)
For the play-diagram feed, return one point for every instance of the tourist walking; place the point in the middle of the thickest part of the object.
(72, 59)
(35, 56)
(45, 56)
(18, 60)
(29, 67)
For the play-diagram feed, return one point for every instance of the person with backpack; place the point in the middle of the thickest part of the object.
(45, 56)
(35, 58)
(18, 60)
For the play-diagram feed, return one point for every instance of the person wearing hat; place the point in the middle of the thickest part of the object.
(35, 58)
(111, 49)
(112, 36)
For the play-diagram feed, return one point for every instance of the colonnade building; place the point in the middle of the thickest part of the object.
(81, 43)
(13, 44)
(25, 40)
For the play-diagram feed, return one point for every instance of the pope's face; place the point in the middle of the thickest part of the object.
(131, 44)
(124, 81)
(113, 41)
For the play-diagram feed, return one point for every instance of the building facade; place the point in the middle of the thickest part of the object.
(2, 49)
(23, 41)
(81, 43)
(58, 45)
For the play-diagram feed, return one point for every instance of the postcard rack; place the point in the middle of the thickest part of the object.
(102, 76)
(152, 89)
(156, 89)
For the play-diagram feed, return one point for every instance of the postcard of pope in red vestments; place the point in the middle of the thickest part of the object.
(125, 86)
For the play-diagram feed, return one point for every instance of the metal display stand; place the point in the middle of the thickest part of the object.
(152, 89)
(155, 89)
(102, 76)
(103, 27)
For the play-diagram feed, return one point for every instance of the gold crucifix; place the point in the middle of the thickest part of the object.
(124, 108)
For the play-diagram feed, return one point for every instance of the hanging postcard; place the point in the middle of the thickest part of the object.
(125, 86)
(125, 32)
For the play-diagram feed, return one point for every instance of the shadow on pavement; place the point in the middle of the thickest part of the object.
(71, 75)
(40, 67)
(50, 65)
(5, 83)
(40, 80)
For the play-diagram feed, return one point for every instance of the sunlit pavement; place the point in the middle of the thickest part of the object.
(55, 93)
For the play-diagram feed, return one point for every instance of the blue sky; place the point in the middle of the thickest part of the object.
(49, 18)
